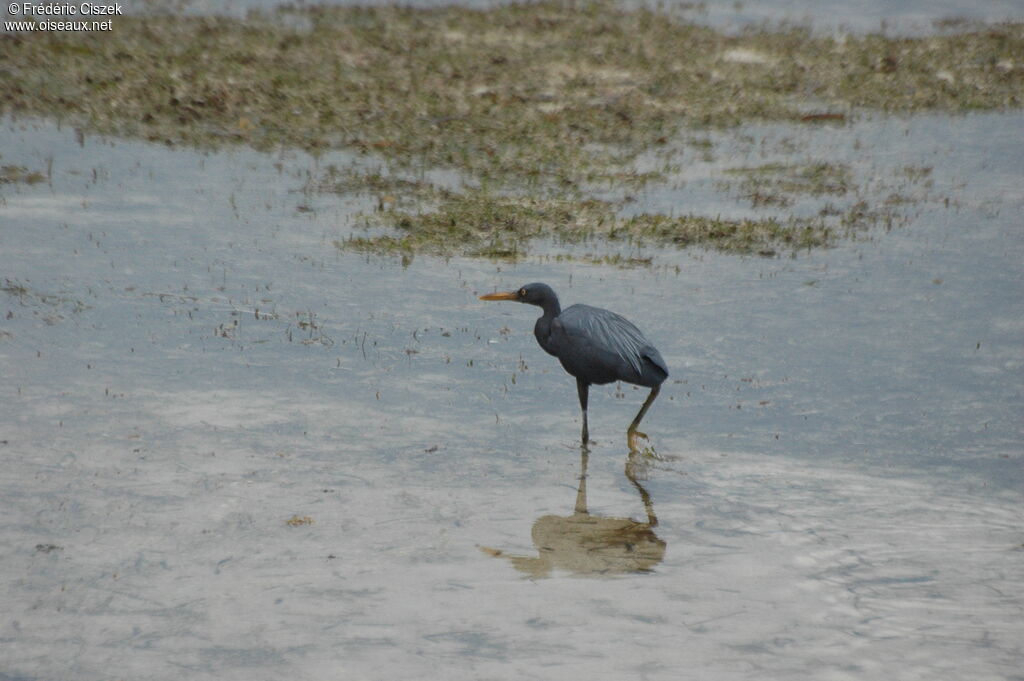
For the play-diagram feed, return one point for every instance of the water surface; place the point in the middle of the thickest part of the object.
(190, 363)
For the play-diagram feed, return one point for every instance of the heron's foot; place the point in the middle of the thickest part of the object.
(634, 438)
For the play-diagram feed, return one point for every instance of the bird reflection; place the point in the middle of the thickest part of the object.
(591, 545)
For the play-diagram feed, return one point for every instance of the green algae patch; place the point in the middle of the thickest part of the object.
(778, 184)
(544, 90)
(502, 229)
(50, 308)
(536, 104)
(475, 221)
(11, 174)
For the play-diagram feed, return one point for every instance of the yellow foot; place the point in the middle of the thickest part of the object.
(633, 438)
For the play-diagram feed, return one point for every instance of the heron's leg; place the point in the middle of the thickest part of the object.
(583, 388)
(581, 493)
(643, 410)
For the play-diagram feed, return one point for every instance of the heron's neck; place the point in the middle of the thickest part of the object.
(542, 329)
(551, 307)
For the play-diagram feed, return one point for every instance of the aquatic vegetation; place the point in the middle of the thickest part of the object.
(49, 307)
(482, 223)
(776, 183)
(11, 174)
(545, 100)
(543, 90)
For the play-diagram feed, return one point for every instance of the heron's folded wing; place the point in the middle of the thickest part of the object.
(609, 332)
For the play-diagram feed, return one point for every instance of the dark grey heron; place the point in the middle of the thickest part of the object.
(594, 345)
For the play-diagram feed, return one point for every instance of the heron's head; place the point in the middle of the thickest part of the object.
(534, 294)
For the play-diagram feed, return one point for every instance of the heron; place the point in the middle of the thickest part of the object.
(594, 345)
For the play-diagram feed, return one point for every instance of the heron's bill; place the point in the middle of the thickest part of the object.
(512, 295)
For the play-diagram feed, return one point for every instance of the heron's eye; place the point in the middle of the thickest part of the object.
(522, 293)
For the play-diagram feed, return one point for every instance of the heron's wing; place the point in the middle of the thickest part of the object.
(611, 333)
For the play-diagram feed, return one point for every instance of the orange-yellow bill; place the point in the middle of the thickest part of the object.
(511, 295)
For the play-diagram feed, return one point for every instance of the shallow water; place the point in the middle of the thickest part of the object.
(189, 363)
